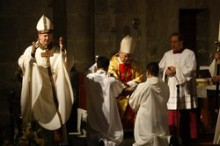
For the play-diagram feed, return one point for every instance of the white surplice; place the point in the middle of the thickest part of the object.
(103, 116)
(37, 101)
(213, 72)
(217, 131)
(185, 64)
(213, 68)
(149, 100)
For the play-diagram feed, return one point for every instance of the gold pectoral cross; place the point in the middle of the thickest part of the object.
(47, 54)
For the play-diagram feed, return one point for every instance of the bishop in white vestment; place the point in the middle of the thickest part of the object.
(216, 78)
(46, 94)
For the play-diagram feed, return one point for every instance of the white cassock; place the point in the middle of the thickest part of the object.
(213, 72)
(185, 64)
(37, 101)
(213, 68)
(103, 116)
(149, 100)
(217, 131)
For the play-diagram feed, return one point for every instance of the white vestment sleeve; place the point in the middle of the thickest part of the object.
(93, 68)
(162, 63)
(25, 63)
(217, 131)
(68, 61)
(135, 99)
(117, 88)
(132, 83)
(26, 100)
(212, 68)
(25, 59)
(162, 66)
(184, 73)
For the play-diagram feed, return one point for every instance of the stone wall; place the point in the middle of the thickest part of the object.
(80, 32)
(96, 27)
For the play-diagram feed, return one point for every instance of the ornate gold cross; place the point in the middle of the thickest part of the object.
(47, 54)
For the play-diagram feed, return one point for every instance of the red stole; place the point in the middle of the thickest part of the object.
(128, 117)
(125, 71)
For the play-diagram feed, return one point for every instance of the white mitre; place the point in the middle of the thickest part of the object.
(127, 45)
(44, 25)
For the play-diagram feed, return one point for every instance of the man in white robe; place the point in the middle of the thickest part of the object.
(213, 67)
(217, 131)
(149, 101)
(178, 66)
(216, 78)
(104, 123)
(46, 94)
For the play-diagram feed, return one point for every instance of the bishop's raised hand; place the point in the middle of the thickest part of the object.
(61, 43)
(34, 47)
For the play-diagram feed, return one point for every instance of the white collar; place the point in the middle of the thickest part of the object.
(119, 60)
(101, 71)
(153, 80)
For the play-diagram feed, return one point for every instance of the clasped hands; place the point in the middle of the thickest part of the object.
(127, 91)
(61, 43)
(170, 71)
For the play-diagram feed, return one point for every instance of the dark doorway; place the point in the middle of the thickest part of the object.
(193, 25)
(187, 27)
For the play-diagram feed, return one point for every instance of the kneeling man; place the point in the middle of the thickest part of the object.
(149, 101)
(104, 123)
